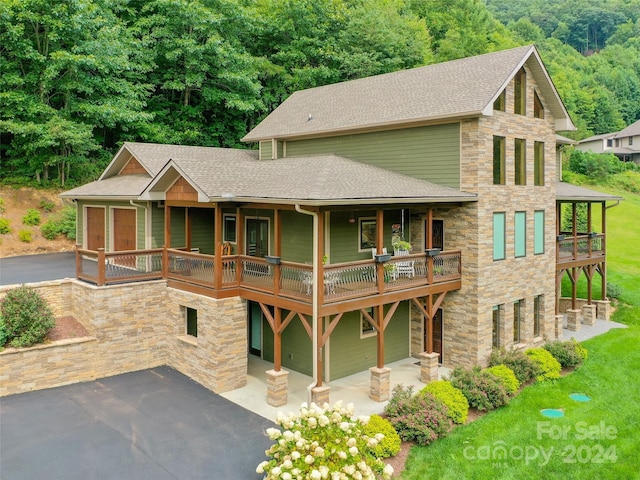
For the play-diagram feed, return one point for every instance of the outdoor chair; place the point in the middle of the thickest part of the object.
(406, 269)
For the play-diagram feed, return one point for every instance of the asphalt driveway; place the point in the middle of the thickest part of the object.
(155, 424)
(37, 268)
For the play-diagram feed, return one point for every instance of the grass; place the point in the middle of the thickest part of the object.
(596, 439)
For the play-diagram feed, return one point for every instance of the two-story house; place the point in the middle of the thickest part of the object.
(406, 214)
(624, 144)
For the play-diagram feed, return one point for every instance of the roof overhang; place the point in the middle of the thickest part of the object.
(344, 202)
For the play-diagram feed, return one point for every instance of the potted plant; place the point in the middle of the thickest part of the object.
(402, 245)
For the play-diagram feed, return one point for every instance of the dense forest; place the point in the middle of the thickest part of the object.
(79, 77)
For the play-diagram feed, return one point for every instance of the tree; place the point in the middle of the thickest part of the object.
(67, 71)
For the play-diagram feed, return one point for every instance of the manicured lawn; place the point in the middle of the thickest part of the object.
(597, 439)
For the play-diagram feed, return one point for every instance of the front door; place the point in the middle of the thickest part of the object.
(124, 235)
(437, 234)
(255, 329)
(95, 228)
(124, 229)
(257, 237)
(437, 333)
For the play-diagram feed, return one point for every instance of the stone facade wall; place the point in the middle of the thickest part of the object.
(217, 358)
(468, 321)
(133, 327)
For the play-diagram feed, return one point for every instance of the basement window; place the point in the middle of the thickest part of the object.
(191, 322)
(366, 328)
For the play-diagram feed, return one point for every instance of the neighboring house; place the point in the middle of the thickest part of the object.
(458, 159)
(624, 144)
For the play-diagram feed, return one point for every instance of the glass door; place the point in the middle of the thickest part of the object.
(255, 329)
(257, 237)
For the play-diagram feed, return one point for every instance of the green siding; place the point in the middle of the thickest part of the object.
(344, 235)
(350, 354)
(202, 229)
(141, 224)
(297, 237)
(430, 153)
(178, 228)
(266, 150)
(296, 346)
(157, 226)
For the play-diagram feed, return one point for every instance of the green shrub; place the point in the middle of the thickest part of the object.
(549, 367)
(322, 443)
(506, 376)
(25, 236)
(2, 205)
(455, 401)
(613, 290)
(26, 316)
(523, 367)
(4, 226)
(63, 224)
(32, 217)
(47, 206)
(50, 230)
(418, 418)
(568, 354)
(388, 446)
(483, 390)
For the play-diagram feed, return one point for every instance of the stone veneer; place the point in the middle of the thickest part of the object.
(133, 327)
(467, 322)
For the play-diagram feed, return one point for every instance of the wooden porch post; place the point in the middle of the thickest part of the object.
(429, 324)
(380, 336)
(217, 235)
(187, 219)
(379, 247)
(277, 340)
(603, 273)
(167, 226)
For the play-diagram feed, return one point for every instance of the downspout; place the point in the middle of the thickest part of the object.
(314, 307)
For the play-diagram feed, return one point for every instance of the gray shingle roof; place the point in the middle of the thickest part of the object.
(568, 192)
(325, 179)
(464, 87)
(630, 131)
(117, 187)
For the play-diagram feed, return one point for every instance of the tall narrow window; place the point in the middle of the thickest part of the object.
(520, 234)
(517, 317)
(499, 239)
(497, 317)
(191, 322)
(500, 102)
(538, 232)
(538, 108)
(537, 315)
(520, 93)
(499, 153)
(521, 161)
(229, 228)
(538, 164)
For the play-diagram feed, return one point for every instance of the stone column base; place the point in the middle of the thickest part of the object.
(429, 367)
(380, 380)
(320, 395)
(559, 326)
(603, 309)
(277, 387)
(573, 320)
(589, 315)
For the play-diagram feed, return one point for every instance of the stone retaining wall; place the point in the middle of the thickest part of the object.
(133, 327)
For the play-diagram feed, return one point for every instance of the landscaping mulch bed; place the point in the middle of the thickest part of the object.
(67, 327)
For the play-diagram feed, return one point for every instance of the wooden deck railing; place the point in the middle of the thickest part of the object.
(292, 280)
(580, 247)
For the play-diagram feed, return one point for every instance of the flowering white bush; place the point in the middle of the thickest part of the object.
(322, 443)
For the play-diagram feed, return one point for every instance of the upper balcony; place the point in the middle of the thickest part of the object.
(581, 249)
(345, 286)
